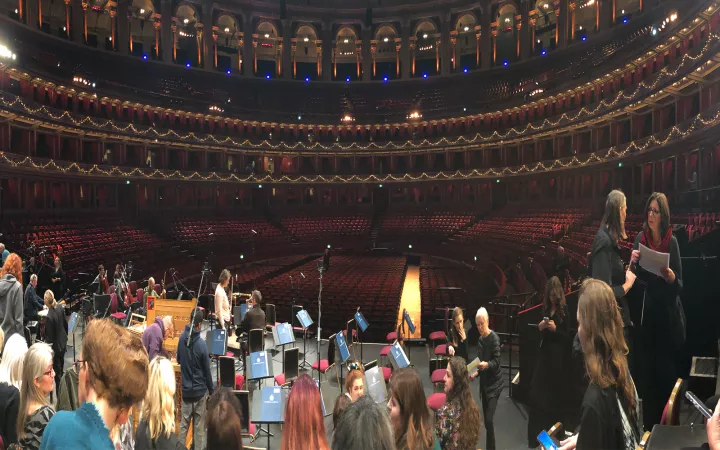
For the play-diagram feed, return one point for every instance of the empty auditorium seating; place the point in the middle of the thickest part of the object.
(428, 225)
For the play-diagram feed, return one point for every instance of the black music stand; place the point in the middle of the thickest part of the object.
(305, 323)
(361, 324)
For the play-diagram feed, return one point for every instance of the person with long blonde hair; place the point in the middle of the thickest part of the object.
(38, 380)
(157, 419)
(610, 416)
(11, 367)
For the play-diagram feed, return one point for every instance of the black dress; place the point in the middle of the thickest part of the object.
(549, 381)
(461, 349)
(656, 347)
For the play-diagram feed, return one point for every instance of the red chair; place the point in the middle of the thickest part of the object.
(239, 382)
(115, 316)
(436, 401)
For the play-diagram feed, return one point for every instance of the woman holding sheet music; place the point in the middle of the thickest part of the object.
(660, 331)
(491, 382)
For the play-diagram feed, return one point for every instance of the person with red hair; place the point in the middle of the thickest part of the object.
(11, 296)
(304, 421)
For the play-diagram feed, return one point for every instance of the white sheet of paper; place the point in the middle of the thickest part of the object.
(653, 261)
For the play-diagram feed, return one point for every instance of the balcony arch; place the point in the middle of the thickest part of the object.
(187, 46)
(346, 58)
(467, 46)
(386, 54)
(506, 47)
(427, 48)
(306, 52)
(228, 48)
(142, 32)
(266, 52)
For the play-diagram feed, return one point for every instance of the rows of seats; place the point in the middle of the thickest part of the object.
(204, 231)
(255, 272)
(437, 225)
(436, 275)
(374, 284)
(308, 226)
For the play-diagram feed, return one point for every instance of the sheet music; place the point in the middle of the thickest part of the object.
(653, 261)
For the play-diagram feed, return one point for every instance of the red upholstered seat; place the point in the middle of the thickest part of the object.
(387, 371)
(391, 336)
(436, 400)
(438, 376)
(323, 365)
(230, 354)
(438, 336)
(354, 333)
(239, 381)
(118, 317)
(385, 351)
(441, 350)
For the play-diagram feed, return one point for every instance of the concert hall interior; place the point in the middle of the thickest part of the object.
(359, 224)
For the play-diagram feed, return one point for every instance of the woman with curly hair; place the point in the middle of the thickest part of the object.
(457, 423)
(11, 296)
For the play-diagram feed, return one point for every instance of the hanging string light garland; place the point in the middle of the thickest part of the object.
(698, 122)
(546, 124)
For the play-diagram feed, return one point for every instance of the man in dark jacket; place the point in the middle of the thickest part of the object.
(155, 334)
(196, 380)
(56, 329)
(33, 302)
(255, 317)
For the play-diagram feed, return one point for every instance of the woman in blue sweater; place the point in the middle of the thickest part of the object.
(112, 377)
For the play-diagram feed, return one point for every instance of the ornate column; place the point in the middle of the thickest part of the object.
(156, 26)
(279, 58)
(366, 54)
(413, 46)
(494, 43)
(67, 18)
(319, 58)
(477, 46)
(254, 51)
(525, 31)
(199, 28)
(572, 7)
(214, 49)
(405, 56)
(85, 21)
(287, 50)
(240, 47)
(248, 54)
(293, 48)
(453, 43)
(113, 39)
(561, 30)
(373, 54)
(76, 9)
(32, 13)
(517, 33)
(168, 30)
(327, 54)
(447, 46)
(486, 37)
(398, 46)
(531, 31)
(123, 27)
(208, 31)
(358, 51)
(606, 14)
(437, 54)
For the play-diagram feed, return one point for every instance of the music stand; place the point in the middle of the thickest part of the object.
(71, 328)
(282, 336)
(102, 306)
(361, 325)
(375, 382)
(216, 341)
(244, 399)
(398, 358)
(269, 408)
(305, 322)
(291, 364)
(227, 371)
(344, 352)
(260, 367)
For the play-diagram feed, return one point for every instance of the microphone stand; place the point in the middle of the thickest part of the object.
(192, 319)
(320, 270)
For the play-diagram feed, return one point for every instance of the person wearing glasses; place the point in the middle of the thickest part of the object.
(605, 262)
(660, 333)
(38, 379)
(112, 377)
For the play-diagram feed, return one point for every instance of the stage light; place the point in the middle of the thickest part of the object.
(380, 185)
(464, 109)
(228, 72)
(625, 20)
(142, 11)
(328, 246)
(186, 21)
(386, 39)
(347, 79)
(227, 30)
(242, 256)
(127, 181)
(498, 180)
(299, 117)
(424, 75)
(425, 36)
(475, 257)
(267, 36)
(466, 29)
(307, 79)
(505, 63)
(93, 85)
(465, 70)
(385, 78)
(622, 12)
(584, 38)
(544, 52)
(306, 39)
(580, 28)
(620, 164)
(145, 56)
(259, 186)
(267, 77)
(187, 65)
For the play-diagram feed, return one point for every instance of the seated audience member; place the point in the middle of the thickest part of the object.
(155, 334)
(409, 414)
(610, 415)
(341, 403)
(355, 384)
(156, 430)
(196, 381)
(457, 341)
(33, 302)
(364, 425)
(36, 411)
(112, 377)
(11, 368)
(68, 389)
(457, 423)
(56, 329)
(11, 297)
(224, 421)
(304, 422)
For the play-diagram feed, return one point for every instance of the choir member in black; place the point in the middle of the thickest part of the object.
(57, 278)
(605, 262)
(548, 386)
(491, 382)
(457, 341)
(659, 333)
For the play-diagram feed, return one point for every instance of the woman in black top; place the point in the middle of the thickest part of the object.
(56, 331)
(659, 333)
(610, 411)
(58, 279)
(457, 341)
(549, 383)
(491, 382)
(605, 261)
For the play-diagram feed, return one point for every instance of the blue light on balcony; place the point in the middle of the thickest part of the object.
(424, 75)
(187, 65)
(584, 38)
(465, 70)
(307, 79)
(505, 63)
(347, 79)
(625, 20)
(267, 77)
(385, 79)
(145, 57)
(228, 72)
(544, 52)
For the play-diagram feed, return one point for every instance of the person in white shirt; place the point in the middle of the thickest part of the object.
(222, 304)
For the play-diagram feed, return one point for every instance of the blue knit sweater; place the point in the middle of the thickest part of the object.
(76, 430)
